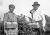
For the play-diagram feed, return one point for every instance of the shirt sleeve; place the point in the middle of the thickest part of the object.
(44, 21)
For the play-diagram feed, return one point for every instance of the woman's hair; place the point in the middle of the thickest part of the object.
(11, 5)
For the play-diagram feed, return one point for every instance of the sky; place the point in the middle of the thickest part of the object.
(24, 6)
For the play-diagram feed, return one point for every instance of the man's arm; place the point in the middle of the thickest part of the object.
(43, 21)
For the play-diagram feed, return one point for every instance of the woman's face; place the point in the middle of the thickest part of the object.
(11, 8)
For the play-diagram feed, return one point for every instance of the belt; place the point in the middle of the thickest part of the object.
(10, 28)
(11, 22)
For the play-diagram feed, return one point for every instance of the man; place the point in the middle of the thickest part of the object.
(37, 17)
(10, 20)
(36, 14)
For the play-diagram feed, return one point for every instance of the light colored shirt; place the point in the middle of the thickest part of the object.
(37, 16)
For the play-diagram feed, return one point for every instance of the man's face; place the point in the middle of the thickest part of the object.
(35, 7)
(11, 9)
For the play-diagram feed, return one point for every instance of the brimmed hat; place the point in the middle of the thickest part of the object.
(36, 4)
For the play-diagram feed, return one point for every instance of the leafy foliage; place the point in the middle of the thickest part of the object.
(47, 27)
(23, 26)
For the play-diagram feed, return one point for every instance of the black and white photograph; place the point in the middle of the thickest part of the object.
(24, 17)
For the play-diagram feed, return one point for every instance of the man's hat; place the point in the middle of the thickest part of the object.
(36, 4)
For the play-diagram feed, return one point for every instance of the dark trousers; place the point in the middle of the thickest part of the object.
(47, 33)
(36, 31)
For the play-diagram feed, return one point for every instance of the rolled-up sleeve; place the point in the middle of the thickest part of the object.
(44, 21)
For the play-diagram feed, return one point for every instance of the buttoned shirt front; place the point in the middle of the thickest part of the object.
(39, 15)
(36, 15)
